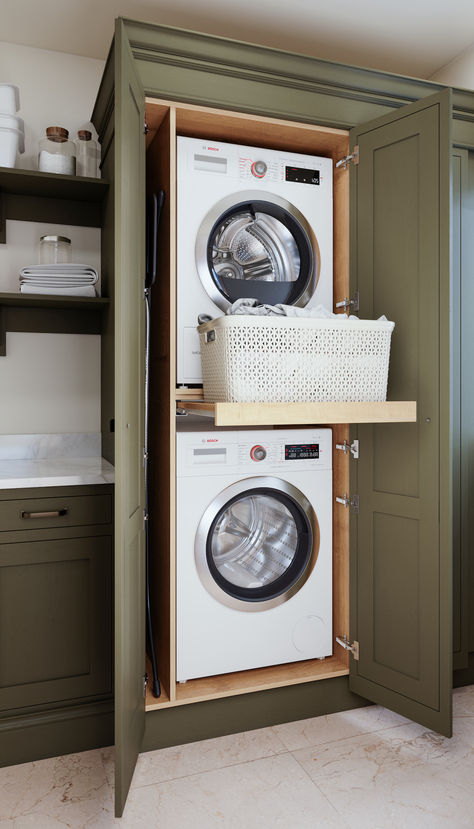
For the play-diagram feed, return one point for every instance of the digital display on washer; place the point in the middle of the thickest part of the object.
(301, 451)
(302, 175)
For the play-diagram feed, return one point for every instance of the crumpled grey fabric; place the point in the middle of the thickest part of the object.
(251, 307)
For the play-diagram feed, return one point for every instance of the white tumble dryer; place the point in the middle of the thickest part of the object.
(251, 222)
(254, 549)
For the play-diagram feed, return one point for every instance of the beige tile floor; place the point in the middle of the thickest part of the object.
(361, 769)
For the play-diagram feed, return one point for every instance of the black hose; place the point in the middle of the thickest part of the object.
(151, 264)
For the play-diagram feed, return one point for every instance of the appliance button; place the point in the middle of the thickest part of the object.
(258, 453)
(258, 168)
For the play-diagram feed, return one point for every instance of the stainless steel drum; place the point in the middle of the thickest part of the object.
(261, 248)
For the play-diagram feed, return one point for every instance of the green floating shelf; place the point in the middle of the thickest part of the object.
(86, 303)
(45, 314)
(33, 196)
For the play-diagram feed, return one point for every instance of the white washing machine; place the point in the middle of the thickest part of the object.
(251, 222)
(254, 549)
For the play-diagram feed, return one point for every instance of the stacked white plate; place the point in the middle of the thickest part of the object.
(62, 280)
(12, 129)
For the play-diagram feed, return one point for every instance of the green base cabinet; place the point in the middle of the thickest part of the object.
(56, 571)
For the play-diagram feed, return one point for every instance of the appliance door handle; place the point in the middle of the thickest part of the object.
(55, 513)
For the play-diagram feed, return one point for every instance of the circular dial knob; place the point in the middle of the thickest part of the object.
(258, 168)
(258, 453)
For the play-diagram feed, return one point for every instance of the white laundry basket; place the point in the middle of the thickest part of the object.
(252, 359)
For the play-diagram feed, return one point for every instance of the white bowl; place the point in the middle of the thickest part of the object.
(11, 143)
(9, 98)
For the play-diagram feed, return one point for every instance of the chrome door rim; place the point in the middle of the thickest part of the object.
(243, 197)
(204, 526)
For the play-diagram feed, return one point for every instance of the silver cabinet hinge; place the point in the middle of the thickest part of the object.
(352, 303)
(352, 502)
(346, 447)
(145, 518)
(146, 128)
(145, 682)
(354, 157)
(352, 647)
(145, 456)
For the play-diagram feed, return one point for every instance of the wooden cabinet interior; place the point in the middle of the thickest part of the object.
(165, 120)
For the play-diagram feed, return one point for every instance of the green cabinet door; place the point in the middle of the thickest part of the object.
(462, 407)
(55, 618)
(401, 541)
(129, 416)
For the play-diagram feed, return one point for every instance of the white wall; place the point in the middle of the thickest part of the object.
(459, 72)
(49, 383)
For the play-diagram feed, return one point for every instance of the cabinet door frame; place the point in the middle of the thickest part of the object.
(129, 416)
(370, 677)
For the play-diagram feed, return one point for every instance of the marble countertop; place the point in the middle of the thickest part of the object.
(37, 472)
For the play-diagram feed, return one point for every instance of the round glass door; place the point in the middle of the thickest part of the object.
(256, 544)
(263, 249)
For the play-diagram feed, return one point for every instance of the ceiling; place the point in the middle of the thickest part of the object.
(409, 37)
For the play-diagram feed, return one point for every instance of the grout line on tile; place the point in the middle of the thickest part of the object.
(344, 824)
(209, 770)
(351, 736)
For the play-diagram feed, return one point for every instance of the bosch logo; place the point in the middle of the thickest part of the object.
(212, 440)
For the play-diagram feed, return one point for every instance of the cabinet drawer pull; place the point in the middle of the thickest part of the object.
(55, 513)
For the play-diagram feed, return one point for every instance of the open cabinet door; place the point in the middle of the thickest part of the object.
(401, 542)
(129, 416)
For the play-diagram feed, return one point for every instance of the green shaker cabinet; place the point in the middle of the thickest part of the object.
(400, 217)
(56, 570)
(129, 417)
(401, 585)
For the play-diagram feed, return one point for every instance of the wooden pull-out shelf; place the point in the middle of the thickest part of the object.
(289, 414)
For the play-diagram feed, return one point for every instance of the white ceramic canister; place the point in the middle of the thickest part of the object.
(9, 98)
(12, 139)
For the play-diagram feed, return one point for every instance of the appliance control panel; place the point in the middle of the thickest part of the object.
(247, 451)
(307, 453)
(278, 169)
(251, 165)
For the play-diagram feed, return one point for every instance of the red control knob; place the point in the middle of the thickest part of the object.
(258, 169)
(258, 453)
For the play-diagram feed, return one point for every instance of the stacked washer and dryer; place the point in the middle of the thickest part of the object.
(254, 508)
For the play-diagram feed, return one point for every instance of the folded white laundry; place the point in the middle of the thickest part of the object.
(63, 280)
(69, 279)
(69, 271)
(66, 267)
(85, 290)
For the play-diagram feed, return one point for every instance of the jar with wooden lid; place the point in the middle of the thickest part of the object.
(87, 155)
(56, 153)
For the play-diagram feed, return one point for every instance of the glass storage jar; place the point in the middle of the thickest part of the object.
(55, 250)
(87, 155)
(56, 153)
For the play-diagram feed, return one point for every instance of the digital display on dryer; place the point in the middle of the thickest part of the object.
(302, 175)
(301, 451)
